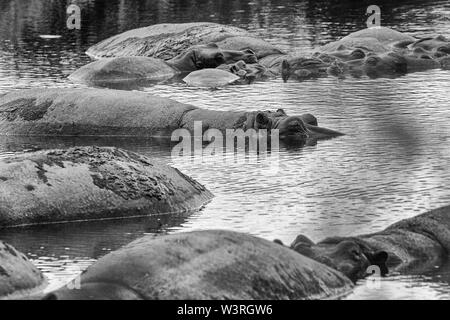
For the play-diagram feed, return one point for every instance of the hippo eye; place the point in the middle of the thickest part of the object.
(356, 255)
(358, 54)
(372, 61)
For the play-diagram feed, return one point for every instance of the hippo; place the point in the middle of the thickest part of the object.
(206, 265)
(412, 245)
(375, 52)
(135, 68)
(104, 112)
(165, 41)
(248, 73)
(19, 278)
(91, 183)
(210, 78)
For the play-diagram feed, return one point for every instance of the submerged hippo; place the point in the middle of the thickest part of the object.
(213, 265)
(375, 52)
(89, 183)
(18, 276)
(211, 78)
(412, 245)
(145, 68)
(165, 41)
(102, 112)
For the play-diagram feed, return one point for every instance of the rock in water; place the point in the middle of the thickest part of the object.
(210, 78)
(166, 41)
(18, 277)
(88, 183)
(207, 265)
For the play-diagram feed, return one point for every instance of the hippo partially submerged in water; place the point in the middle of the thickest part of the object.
(228, 265)
(410, 246)
(102, 112)
(135, 68)
(89, 183)
(18, 276)
(375, 52)
(203, 265)
(166, 41)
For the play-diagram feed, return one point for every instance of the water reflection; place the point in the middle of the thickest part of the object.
(392, 164)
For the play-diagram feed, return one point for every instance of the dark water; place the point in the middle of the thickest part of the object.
(392, 164)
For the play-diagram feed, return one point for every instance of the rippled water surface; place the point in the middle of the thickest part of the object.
(392, 164)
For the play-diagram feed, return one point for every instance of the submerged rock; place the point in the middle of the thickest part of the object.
(18, 276)
(88, 183)
(206, 265)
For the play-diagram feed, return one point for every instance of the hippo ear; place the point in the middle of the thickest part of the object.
(278, 241)
(285, 70)
(302, 240)
(379, 259)
(281, 112)
(302, 245)
(262, 121)
(341, 48)
(403, 44)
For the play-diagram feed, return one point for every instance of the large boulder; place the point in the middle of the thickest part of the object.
(206, 265)
(88, 183)
(18, 276)
(165, 41)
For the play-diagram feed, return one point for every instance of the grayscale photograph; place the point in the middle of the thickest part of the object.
(217, 150)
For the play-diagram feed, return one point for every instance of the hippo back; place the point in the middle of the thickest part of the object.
(209, 265)
(210, 78)
(18, 276)
(88, 112)
(166, 41)
(110, 70)
(382, 34)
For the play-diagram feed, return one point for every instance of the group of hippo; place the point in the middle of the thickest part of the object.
(88, 183)
(217, 55)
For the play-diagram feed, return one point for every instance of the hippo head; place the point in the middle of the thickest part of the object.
(247, 55)
(250, 72)
(288, 126)
(302, 68)
(347, 255)
(207, 56)
(385, 65)
(442, 51)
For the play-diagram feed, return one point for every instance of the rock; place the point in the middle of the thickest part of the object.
(207, 265)
(89, 183)
(165, 41)
(18, 276)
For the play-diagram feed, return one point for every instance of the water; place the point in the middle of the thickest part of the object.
(392, 164)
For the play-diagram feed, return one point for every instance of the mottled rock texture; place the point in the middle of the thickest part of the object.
(88, 183)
